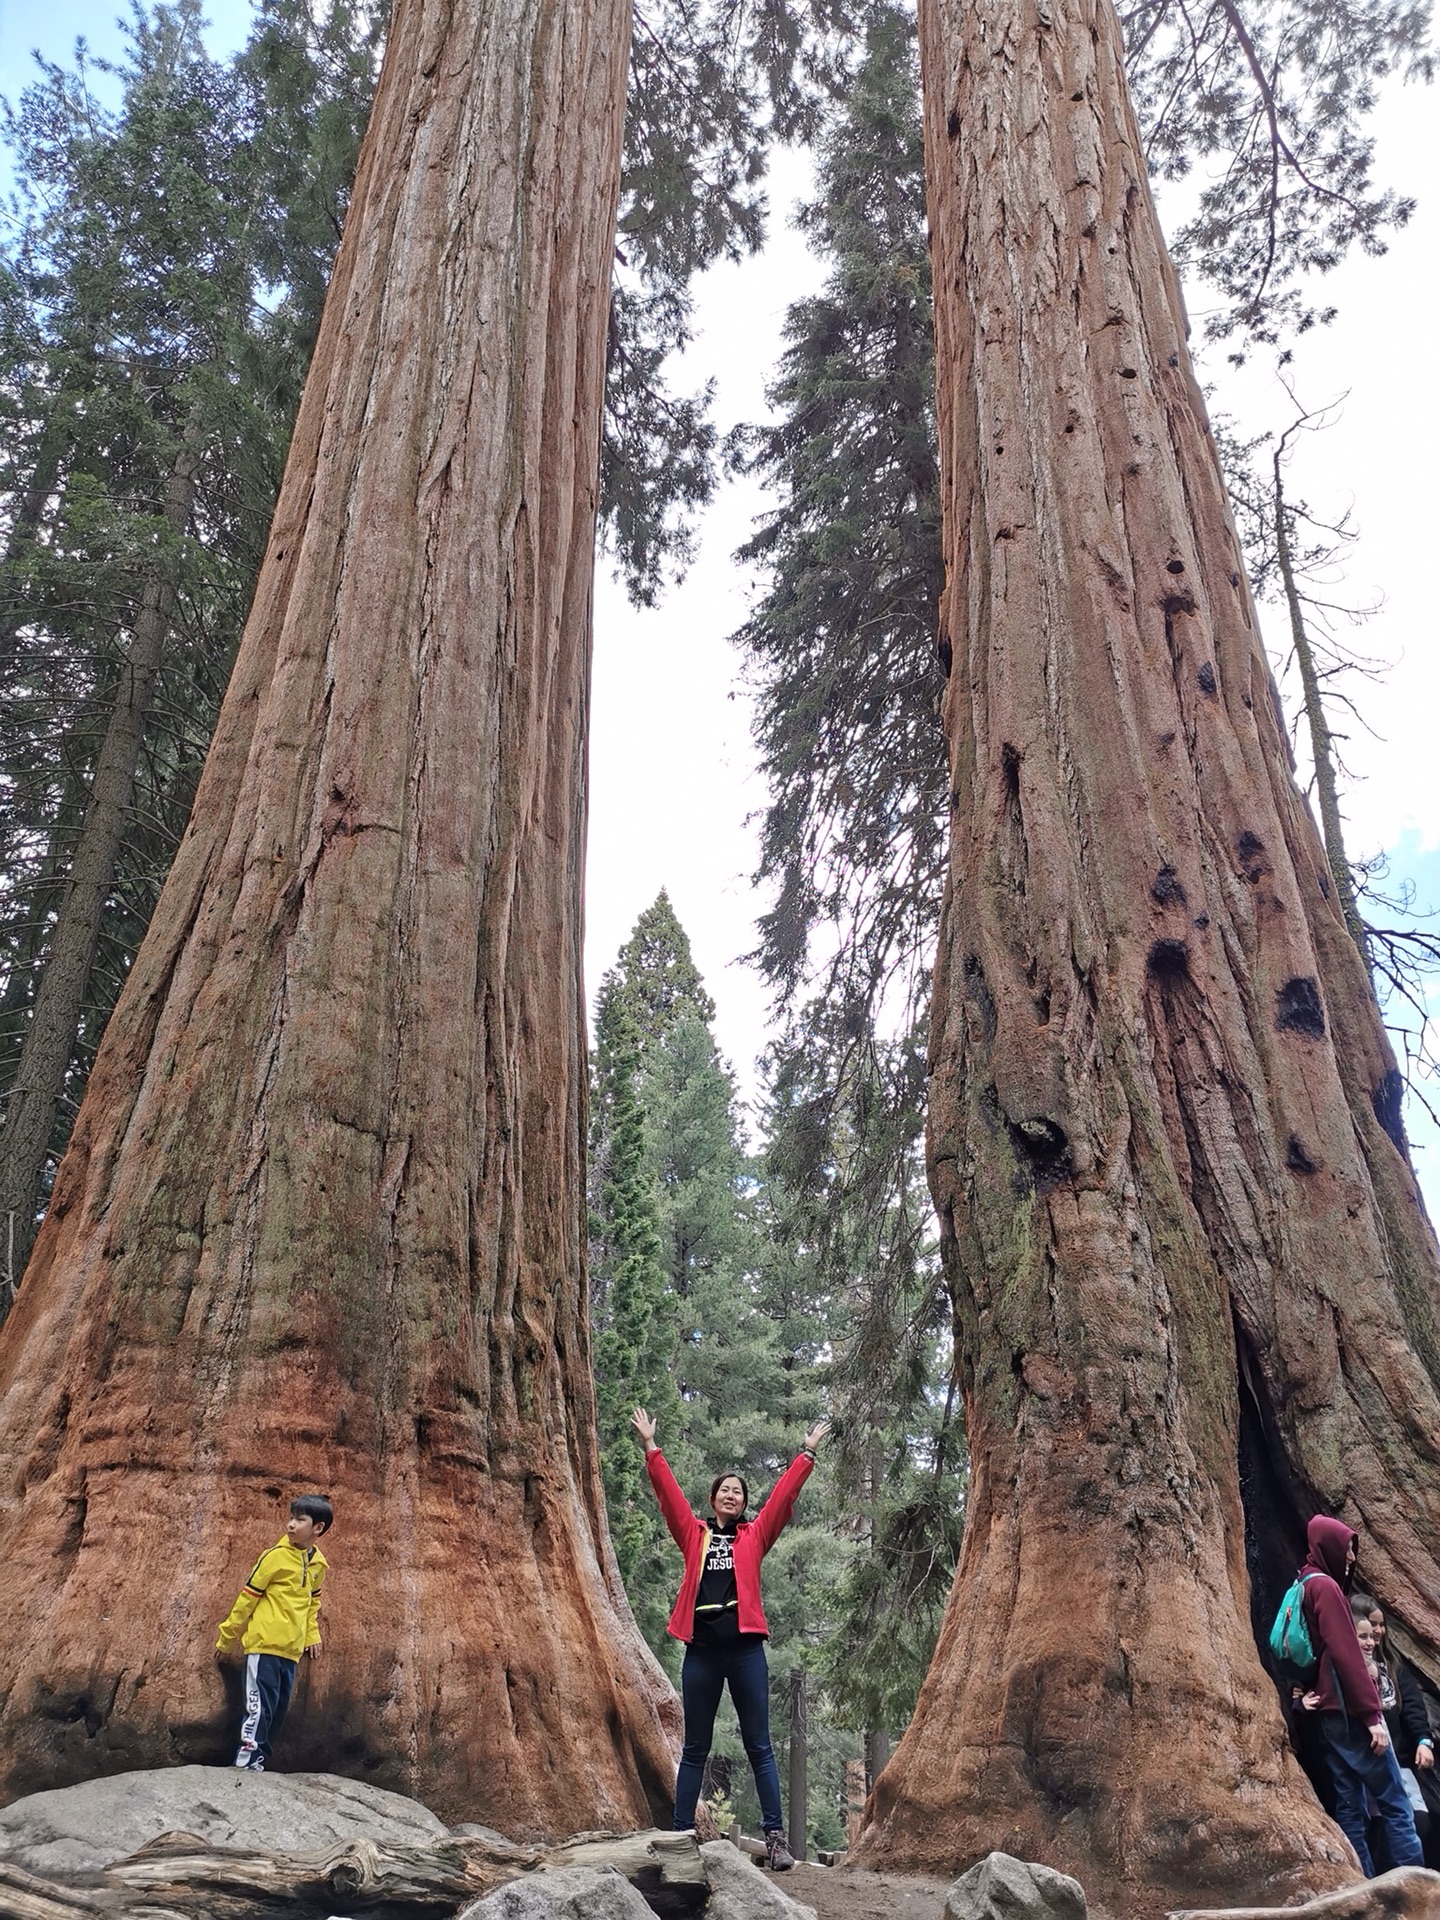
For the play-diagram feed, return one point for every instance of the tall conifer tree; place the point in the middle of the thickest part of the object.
(685, 1324)
(165, 285)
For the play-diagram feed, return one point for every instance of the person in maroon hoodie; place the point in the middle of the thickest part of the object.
(1357, 1744)
(719, 1617)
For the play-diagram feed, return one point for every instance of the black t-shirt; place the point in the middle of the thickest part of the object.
(716, 1602)
(717, 1576)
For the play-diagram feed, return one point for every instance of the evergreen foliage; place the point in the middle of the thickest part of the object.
(842, 645)
(161, 290)
(310, 73)
(678, 1322)
(712, 86)
(1269, 103)
(846, 1185)
(634, 1344)
(720, 1283)
(909, 1497)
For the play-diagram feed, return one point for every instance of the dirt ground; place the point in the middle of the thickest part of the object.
(850, 1893)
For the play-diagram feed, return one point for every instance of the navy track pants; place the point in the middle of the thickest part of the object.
(269, 1682)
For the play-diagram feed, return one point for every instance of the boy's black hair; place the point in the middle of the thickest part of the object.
(316, 1507)
(720, 1479)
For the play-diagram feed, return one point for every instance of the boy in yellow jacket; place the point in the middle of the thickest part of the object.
(278, 1609)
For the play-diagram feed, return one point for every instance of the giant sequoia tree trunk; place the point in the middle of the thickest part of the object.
(321, 1225)
(1164, 1143)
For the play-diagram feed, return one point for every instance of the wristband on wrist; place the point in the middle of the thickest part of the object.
(809, 1452)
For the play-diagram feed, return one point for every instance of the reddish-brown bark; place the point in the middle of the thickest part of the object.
(1161, 1089)
(321, 1224)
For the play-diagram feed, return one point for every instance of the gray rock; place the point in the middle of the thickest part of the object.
(739, 1890)
(569, 1893)
(83, 1829)
(1000, 1887)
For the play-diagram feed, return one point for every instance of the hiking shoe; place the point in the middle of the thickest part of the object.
(778, 1856)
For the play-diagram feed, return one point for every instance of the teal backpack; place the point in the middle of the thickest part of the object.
(1290, 1640)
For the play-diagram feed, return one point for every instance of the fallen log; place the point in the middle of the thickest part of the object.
(664, 1868)
(24, 1897)
(231, 1884)
(181, 1877)
(1408, 1893)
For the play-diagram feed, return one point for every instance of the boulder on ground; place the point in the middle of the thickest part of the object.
(86, 1828)
(1000, 1887)
(1409, 1893)
(569, 1893)
(664, 1868)
(740, 1891)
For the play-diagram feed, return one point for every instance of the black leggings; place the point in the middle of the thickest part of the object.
(703, 1679)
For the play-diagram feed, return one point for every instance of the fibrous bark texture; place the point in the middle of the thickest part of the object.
(1164, 1129)
(321, 1225)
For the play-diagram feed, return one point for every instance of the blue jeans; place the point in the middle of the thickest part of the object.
(702, 1681)
(269, 1681)
(1355, 1769)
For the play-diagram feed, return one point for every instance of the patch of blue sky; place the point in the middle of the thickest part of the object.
(52, 30)
(1413, 873)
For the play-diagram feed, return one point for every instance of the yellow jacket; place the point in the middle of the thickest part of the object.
(279, 1605)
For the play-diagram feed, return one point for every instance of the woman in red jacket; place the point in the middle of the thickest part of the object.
(719, 1617)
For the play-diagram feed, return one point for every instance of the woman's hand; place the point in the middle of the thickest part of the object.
(1424, 1754)
(816, 1434)
(645, 1427)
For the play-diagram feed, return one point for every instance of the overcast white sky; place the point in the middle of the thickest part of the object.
(672, 773)
(673, 787)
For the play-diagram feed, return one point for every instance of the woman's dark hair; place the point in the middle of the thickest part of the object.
(1362, 1605)
(314, 1506)
(719, 1481)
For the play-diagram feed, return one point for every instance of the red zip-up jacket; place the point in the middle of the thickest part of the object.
(1344, 1684)
(753, 1540)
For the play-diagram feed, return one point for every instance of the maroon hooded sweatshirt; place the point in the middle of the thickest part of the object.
(1344, 1683)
